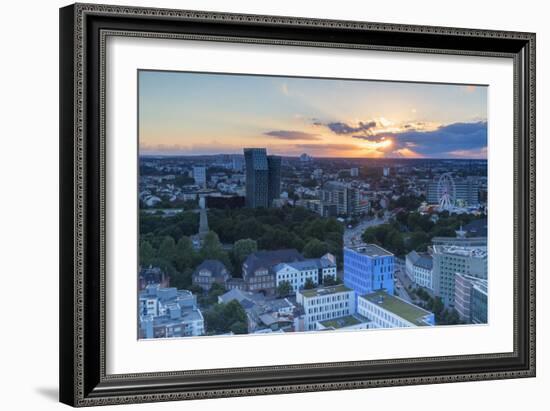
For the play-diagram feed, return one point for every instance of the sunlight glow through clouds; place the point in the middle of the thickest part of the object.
(185, 113)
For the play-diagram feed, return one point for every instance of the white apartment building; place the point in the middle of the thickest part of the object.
(325, 303)
(388, 311)
(418, 267)
(297, 273)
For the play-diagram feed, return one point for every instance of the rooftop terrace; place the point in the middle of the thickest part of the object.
(399, 307)
(342, 322)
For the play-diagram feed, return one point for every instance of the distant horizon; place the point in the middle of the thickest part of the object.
(318, 157)
(190, 113)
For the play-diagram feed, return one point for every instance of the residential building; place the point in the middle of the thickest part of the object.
(199, 174)
(210, 272)
(258, 269)
(418, 267)
(168, 312)
(464, 289)
(347, 200)
(368, 268)
(388, 311)
(298, 272)
(449, 259)
(263, 177)
(325, 303)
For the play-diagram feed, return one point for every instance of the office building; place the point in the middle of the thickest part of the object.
(263, 177)
(478, 307)
(325, 303)
(449, 259)
(388, 311)
(368, 268)
(464, 290)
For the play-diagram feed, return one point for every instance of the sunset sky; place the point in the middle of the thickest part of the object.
(194, 113)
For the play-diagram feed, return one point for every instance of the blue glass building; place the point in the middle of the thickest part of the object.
(368, 268)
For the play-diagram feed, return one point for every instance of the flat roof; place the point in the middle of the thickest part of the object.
(397, 306)
(371, 250)
(342, 322)
(319, 292)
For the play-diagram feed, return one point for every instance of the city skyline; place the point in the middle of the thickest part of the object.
(193, 114)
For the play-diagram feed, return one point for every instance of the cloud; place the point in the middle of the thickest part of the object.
(452, 140)
(292, 135)
(344, 128)
(327, 147)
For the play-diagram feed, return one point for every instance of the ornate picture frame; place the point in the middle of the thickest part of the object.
(84, 29)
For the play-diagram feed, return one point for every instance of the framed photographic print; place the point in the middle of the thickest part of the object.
(261, 204)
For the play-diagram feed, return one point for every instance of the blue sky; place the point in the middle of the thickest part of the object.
(200, 113)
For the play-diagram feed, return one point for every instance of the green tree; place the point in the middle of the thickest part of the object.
(284, 288)
(239, 327)
(167, 249)
(309, 284)
(331, 280)
(315, 248)
(186, 255)
(146, 253)
(243, 248)
(182, 279)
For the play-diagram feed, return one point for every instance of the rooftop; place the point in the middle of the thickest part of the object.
(474, 252)
(342, 322)
(320, 291)
(423, 260)
(372, 250)
(399, 307)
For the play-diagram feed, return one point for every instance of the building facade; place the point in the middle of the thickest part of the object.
(478, 310)
(210, 272)
(388, 311)
(368, 268)
(418, 267)
(347, 200)
(451, 259)
(258, 269)
(325, 303)
(297, 273)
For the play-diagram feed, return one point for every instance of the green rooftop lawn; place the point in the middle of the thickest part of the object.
(399, 307)
(341, 322)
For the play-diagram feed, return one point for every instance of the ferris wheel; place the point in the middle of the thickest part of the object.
(446, 191)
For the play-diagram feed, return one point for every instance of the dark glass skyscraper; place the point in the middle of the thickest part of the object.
(263, 177)
(274, 178)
